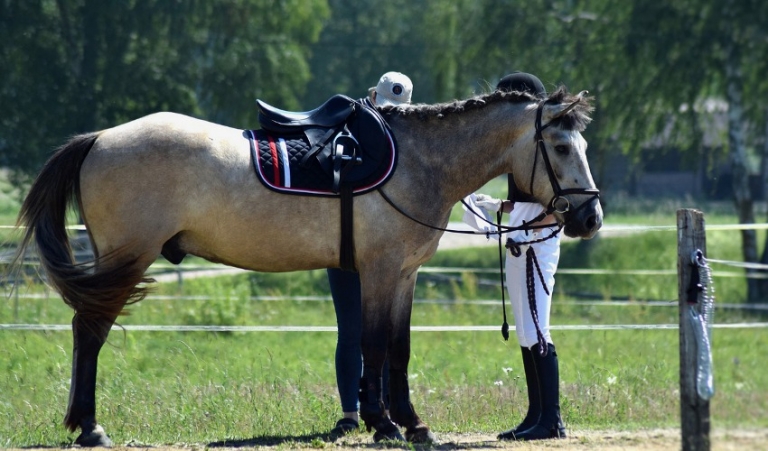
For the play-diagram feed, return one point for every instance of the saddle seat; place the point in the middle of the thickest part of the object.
(331, 113)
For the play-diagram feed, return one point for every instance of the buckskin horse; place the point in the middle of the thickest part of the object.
(168, 184)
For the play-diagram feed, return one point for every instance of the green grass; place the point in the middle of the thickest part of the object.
(165, 388)
(202, 387)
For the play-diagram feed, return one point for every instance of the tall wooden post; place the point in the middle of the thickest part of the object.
(694, 411)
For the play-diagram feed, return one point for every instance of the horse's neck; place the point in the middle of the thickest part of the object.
(461, 152)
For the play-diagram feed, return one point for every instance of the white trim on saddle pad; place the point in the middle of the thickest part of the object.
(285, 163)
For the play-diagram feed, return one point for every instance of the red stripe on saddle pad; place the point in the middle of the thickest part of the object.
(275, 160)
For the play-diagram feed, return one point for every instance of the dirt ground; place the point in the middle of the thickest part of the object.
(644, 440)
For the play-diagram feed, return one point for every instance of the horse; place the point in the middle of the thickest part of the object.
(171, 185)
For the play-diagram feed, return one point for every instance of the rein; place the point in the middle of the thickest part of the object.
(502, 229)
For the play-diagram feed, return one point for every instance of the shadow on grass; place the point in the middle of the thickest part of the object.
(271, 440)
(61, 445)
(353, 441)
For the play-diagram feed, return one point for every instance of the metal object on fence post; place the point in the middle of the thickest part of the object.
(694, 409)
(701, 315)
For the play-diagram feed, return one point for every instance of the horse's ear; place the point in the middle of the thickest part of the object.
(571, 106)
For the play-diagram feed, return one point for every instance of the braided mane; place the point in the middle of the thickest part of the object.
(576, 119)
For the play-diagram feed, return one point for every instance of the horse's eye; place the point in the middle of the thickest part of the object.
(562, 149)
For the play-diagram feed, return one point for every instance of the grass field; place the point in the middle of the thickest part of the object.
(199, 388)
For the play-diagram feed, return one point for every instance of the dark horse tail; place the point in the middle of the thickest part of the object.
(95, 290)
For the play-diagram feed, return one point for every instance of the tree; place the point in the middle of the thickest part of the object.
(82, 65)
(363, 39)
(714, 45)
(650, 65)
(578, 44)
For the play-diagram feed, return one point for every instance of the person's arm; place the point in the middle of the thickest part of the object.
(547, 220)
(507, 206)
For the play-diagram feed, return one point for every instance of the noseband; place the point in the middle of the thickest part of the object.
(559, 203)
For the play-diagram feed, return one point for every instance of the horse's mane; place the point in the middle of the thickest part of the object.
(576, 119)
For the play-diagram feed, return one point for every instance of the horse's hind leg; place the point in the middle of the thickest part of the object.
(89, 336)
(102, 296)
(400, 406)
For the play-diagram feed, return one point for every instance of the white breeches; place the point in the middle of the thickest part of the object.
(548, 254)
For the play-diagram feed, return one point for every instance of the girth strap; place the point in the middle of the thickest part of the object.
(347, 250)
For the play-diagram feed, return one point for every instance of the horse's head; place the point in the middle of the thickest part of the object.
(558, 174)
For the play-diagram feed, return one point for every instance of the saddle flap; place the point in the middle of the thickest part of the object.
(374, 145)
(332, 113)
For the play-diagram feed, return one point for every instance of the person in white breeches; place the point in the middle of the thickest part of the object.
(530, 298)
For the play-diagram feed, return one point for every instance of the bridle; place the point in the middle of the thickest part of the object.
(558, 204)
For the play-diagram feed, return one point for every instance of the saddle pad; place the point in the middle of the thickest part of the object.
(276, 161)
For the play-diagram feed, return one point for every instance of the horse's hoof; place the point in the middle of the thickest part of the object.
(391, 436)
(96, 437)
(420, 434)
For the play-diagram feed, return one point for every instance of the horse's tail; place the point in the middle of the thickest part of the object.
(94, 290)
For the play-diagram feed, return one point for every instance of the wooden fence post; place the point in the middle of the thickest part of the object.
(694, 411)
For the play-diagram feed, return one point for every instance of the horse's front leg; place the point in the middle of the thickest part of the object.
(89, 336)
(400, 405)
(376, 307)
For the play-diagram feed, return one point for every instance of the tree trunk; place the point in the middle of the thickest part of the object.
(763, 283)
(742, 197)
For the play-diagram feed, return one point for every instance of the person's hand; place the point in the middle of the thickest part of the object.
(487, 202)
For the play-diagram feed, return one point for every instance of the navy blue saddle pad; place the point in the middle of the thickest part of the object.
(276, 161)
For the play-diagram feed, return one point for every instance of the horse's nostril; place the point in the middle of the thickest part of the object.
(591, 222)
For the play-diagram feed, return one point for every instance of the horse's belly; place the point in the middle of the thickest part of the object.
(269, 236)
(265, 255)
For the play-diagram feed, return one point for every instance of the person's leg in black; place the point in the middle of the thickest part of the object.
(550, 423)
(345, 290)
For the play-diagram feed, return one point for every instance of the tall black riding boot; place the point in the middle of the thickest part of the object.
(534, 397)
(550, 424)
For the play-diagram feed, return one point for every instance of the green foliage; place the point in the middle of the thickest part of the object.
(77, 66)
(160, 388)
(363, 39)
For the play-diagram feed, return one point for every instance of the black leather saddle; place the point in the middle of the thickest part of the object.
(349, 138)
(331, 113)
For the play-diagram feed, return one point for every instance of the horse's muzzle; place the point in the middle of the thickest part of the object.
(585, 220)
